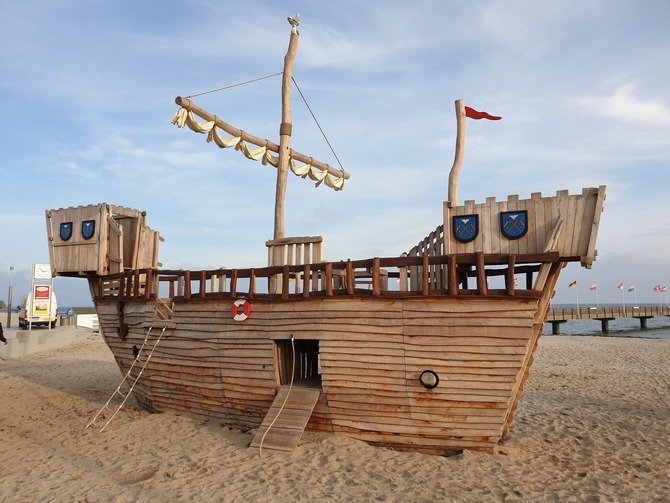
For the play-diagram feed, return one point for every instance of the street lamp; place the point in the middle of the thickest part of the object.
(9, 297)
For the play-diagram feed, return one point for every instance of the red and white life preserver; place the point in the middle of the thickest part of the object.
(243, 313)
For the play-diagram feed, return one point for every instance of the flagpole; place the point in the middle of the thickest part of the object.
(632, 289)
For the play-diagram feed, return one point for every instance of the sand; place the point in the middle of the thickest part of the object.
(593, 425)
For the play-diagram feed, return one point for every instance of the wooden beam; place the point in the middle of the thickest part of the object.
(455, 172)
(509, 278)
(482, 287)
(261, 142)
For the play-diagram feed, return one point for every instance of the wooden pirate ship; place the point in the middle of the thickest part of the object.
(427, 350)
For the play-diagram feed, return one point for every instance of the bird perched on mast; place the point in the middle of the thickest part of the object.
(295, 22)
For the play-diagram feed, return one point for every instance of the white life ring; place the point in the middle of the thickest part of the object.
(243, 314)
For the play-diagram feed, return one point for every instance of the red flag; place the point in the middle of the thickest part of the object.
(657, 288)
(474, 114)
(593, 287)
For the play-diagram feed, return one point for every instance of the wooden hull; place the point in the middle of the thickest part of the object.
(468, 304)
(371, 352)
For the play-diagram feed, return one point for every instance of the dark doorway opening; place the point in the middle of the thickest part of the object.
(306, 371)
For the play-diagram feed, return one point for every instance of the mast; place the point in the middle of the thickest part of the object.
(285, 128)
(455, 172)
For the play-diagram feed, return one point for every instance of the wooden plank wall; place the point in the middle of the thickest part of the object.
(372, 352)
(136, 248)
(477, 348)
(581, 214)
(76, 254)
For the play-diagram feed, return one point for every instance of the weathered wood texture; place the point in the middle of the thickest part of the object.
(120, 240)
(432, 245)
(286, 419)
(577, 215)
(371, 352)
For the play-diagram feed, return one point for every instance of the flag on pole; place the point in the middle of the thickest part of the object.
(516, 282)
(474, 114)
(620, 286)
(657, 288)
(573, 285)
(593, 287)
(631, 288)
(663, 289)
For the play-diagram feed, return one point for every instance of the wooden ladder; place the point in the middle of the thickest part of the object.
(286, 420)
(118, 391)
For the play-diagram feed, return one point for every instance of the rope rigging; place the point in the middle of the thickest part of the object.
(301, 95)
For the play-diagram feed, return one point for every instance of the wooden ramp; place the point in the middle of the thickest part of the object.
(287, 429)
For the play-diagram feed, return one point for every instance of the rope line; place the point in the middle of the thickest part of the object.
(288, 392)
(234, 85)
(317, 123)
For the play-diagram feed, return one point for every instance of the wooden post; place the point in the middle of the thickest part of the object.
(284, 135)
(455, 172)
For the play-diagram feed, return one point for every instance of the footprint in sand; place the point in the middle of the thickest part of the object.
(136, 476)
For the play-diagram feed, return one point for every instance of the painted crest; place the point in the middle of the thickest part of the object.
(466, 227)
(514, 224)
(88, 229)
(65, 230)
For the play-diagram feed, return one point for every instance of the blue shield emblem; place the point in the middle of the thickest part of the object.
(66, 230)
(466, 227)
(514, 224)
(88, 229)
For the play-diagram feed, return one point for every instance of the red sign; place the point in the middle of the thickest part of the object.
(41, 300)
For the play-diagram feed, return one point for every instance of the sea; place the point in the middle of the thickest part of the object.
(657, 327)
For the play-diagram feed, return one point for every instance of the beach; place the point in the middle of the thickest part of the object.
(593, 425)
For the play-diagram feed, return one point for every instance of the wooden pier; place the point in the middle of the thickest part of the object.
(560, 315)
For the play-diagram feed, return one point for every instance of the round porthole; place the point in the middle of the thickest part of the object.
(429, 379)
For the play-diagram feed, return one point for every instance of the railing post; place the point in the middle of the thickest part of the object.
(509, 277)
(329, 279)
(252, 283)
(233, 283)
(452, 267)
(187, 285)
(350, 278)
(482, 287)
(202, 291)
(425, 285)
(285, 283)
(148, 284)
(306, 273)
(376, 281)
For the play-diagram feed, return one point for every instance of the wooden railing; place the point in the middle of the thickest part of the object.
(432, 246)
(391, 277)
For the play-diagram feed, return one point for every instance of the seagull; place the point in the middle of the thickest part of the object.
(294, 21)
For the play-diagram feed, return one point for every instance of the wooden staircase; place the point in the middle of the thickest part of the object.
(286, 419)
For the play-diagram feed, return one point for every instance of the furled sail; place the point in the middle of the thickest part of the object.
(319, 174)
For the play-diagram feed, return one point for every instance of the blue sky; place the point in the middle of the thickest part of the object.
(88, 96)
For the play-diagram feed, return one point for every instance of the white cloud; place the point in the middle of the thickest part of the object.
(626, 105)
